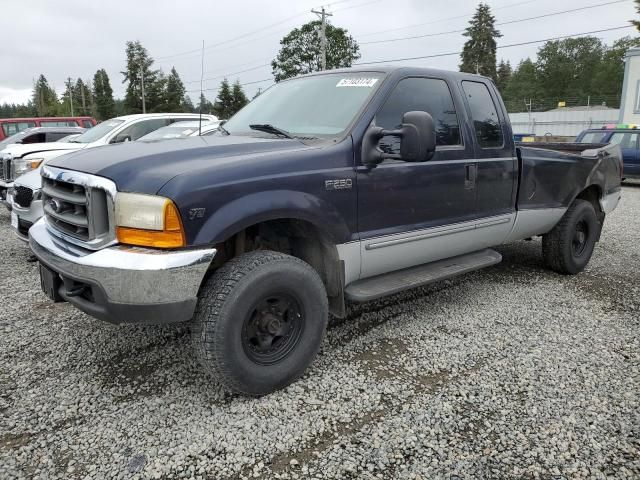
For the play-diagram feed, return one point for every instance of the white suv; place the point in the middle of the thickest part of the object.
(16, 160)
(23, 196)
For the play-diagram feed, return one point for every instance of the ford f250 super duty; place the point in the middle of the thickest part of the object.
(342, 185)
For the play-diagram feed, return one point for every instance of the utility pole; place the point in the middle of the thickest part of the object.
(84, 106)
(144, 110)
(70, 93)
(323, 35)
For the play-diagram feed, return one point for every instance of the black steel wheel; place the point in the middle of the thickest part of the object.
(259, 321)
(272, 328)
(568, 247)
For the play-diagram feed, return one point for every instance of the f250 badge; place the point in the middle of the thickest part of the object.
(338, 184)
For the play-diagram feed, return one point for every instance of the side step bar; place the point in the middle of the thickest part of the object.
(412, 277)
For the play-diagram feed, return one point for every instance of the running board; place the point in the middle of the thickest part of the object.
(412, 277)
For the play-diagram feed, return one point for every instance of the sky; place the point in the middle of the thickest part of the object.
(73, 38)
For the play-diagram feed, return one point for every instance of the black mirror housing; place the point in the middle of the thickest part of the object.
(418, 137)
(123, 137)
(417, 140)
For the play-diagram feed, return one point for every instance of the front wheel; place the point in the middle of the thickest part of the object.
(259, 321)
(567, 248)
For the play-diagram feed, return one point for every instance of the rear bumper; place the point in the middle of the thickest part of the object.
(123, 284)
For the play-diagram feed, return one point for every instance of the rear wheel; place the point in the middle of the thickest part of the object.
(259, 322)
(567, 248)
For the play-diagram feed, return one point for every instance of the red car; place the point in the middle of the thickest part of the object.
(11, 126)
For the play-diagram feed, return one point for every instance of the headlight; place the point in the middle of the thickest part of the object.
(149, 221)
(20, 166)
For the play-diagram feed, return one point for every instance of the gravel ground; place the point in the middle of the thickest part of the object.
(511, 372)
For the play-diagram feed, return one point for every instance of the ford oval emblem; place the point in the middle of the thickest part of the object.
(55, 205)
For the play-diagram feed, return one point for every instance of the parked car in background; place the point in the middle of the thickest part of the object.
(182, 130)
(24, 198)
(17, 160)
(627, 136)
(40, 135)
(11, 126)
(340, 185)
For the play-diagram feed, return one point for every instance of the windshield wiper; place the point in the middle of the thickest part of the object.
(268, 128)
(222, 129)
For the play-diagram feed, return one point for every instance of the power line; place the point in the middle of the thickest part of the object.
(227, 75)
(499, 46)
(440, 20)
(413, 37)
(270, 79)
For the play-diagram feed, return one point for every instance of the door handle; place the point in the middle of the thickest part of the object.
(470, 174)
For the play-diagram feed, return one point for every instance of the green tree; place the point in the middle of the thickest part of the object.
(205, 106)
(522, 87)
(503, 75)
(82, 98)
(479, 52)
(175, 93)
(223, 106)
(300, 51)
(44, 98)
(239, 97)
(567, 67)
(607, 80)
(188, 105)
(103, 96)
(636, 23)
(139, 64)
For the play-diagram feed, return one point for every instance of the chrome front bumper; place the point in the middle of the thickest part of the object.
(124, 284)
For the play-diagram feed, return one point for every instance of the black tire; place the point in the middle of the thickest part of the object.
(567, 248)
(249, 351)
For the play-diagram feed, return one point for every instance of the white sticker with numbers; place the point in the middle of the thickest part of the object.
(357, 82)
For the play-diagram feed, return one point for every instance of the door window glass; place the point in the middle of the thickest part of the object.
(486, 123)
(87, 123)
(624, 139)
(593, 137)
(429, 95)
(11, 128)
(140, 129)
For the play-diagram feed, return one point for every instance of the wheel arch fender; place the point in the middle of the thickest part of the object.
(259, 207)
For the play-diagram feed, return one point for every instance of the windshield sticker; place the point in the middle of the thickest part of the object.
(357, 82)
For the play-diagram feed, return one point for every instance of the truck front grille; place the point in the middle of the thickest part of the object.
(5, 169)
(23, 196)
(79, 206)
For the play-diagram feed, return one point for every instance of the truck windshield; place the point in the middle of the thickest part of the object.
(97, 132)
(315, 106)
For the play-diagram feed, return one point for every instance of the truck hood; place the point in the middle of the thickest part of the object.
(145, 167)
(18, 150)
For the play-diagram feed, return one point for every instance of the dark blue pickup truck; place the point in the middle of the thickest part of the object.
(627, 138)
(345, 185)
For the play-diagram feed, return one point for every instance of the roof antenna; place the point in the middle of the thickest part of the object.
(201, 94)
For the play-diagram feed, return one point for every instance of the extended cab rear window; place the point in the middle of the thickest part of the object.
(484, 115)
(593, 137)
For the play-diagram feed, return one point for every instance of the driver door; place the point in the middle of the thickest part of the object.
(413, 213)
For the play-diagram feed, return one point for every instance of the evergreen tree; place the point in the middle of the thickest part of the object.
(175, 93)
(156, 94)
(479, 52)
(188, 105)
(223, 107)
(82, 98)
(636, 23)
(503, 75)
(300, 51)
(523, 86)
(139, 64)
(239, 98)
(103, 96)
(44, 98)
(205, 106)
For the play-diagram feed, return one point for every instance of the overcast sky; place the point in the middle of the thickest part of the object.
(75, 38)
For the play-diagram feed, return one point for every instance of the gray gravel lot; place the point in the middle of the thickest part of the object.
(511, 372)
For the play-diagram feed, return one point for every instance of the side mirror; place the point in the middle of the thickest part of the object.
(123, 137)
(417, 140)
